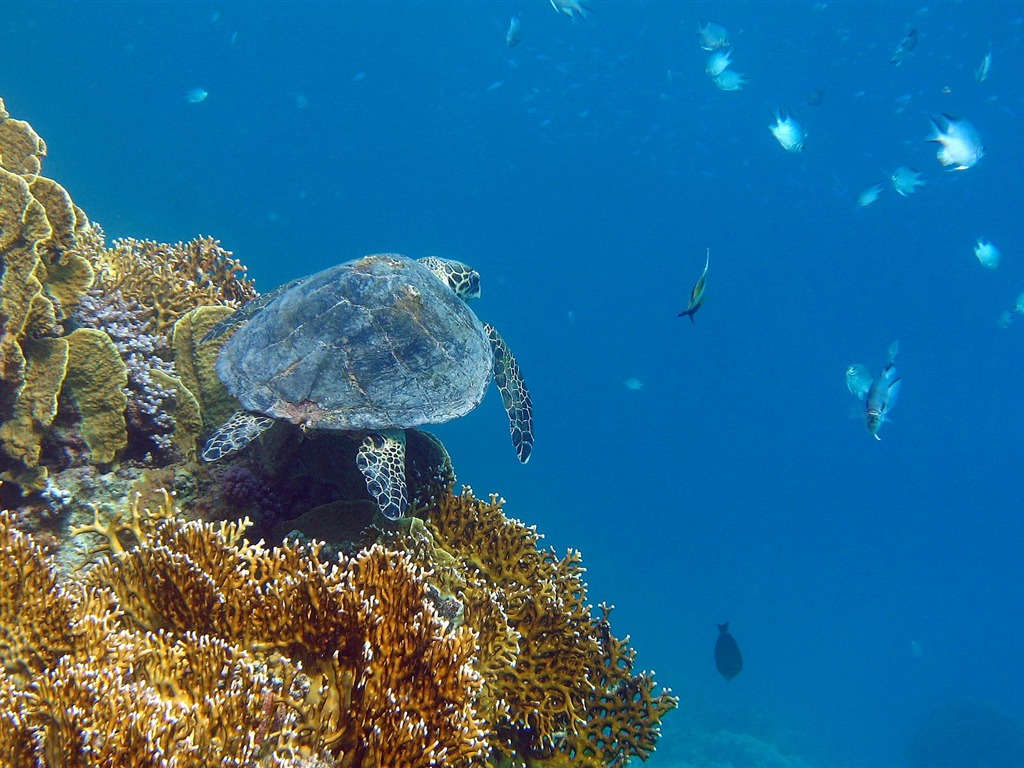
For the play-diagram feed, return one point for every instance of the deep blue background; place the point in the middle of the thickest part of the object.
(584, 173)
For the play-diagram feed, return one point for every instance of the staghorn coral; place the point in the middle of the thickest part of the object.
(558, 686)
(189, 647)
(385, 684)
(170, 280)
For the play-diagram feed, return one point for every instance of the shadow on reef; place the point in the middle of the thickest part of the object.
(143, 623)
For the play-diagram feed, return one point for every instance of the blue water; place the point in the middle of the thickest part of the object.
(584, 173)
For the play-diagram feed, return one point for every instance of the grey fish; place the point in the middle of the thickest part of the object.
(728, 659)
(512, 36)
(908, 44)
(877, 394)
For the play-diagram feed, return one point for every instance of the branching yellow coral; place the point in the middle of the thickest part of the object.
(387, 685)
(194, 648)
(170, 280)
(558, 687)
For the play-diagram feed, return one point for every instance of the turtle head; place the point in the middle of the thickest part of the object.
(461, 278)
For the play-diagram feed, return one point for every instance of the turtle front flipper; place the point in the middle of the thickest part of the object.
(234, 434)
(381, 459)
(513, 394)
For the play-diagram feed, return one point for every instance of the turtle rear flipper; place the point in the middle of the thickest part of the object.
(234, 434)
(513, 394)
(381, 459)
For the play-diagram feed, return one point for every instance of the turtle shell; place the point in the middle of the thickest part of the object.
(376, 343)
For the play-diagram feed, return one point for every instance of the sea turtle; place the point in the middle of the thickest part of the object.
(376, 345)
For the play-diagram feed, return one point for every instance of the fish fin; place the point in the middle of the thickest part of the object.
(894, 390)
(877, 437)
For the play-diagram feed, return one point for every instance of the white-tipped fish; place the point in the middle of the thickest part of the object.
(788, 132)
(512, 36)
(718, 62)
(730, 80)
(712, 36)
(981, 73)
(1019, 308)
(869, 195)
(987, 254)
(196, 95)
(906, 180)
(572, 8)
(878, 395)
(907, 44)
(961, 145)
(697, 293)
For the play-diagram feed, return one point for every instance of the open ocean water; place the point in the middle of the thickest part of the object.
(710, 471)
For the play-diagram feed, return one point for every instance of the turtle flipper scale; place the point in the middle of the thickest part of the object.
(234, 434)
(514, 394)
(381, 459)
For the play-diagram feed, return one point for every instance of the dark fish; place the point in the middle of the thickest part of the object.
(728, 659)
(697, 294)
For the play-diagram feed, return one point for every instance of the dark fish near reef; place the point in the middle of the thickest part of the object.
(728, 660)
(697, 294)
(908, 44)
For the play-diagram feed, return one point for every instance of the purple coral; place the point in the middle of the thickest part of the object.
(242, 487)
(149, 404)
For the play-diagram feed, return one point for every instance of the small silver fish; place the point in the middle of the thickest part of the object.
(718, 62)
(572, 8)
(906, 180)
(697, 294)
(869, 195)
(981, 73)
(712, 36)
(987, 254)
(788, 132)
(878, 395)
(730, 80)
(961, 145)
(906, 45)
(196, 95)
(512, 36)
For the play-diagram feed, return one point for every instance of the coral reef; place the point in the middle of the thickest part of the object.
(171, 280)
(42, 282)
(191, 647)
(60, 279)
(453, 640)
(558, 686)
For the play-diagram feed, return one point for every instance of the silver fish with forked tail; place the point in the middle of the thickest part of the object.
(877, 394)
